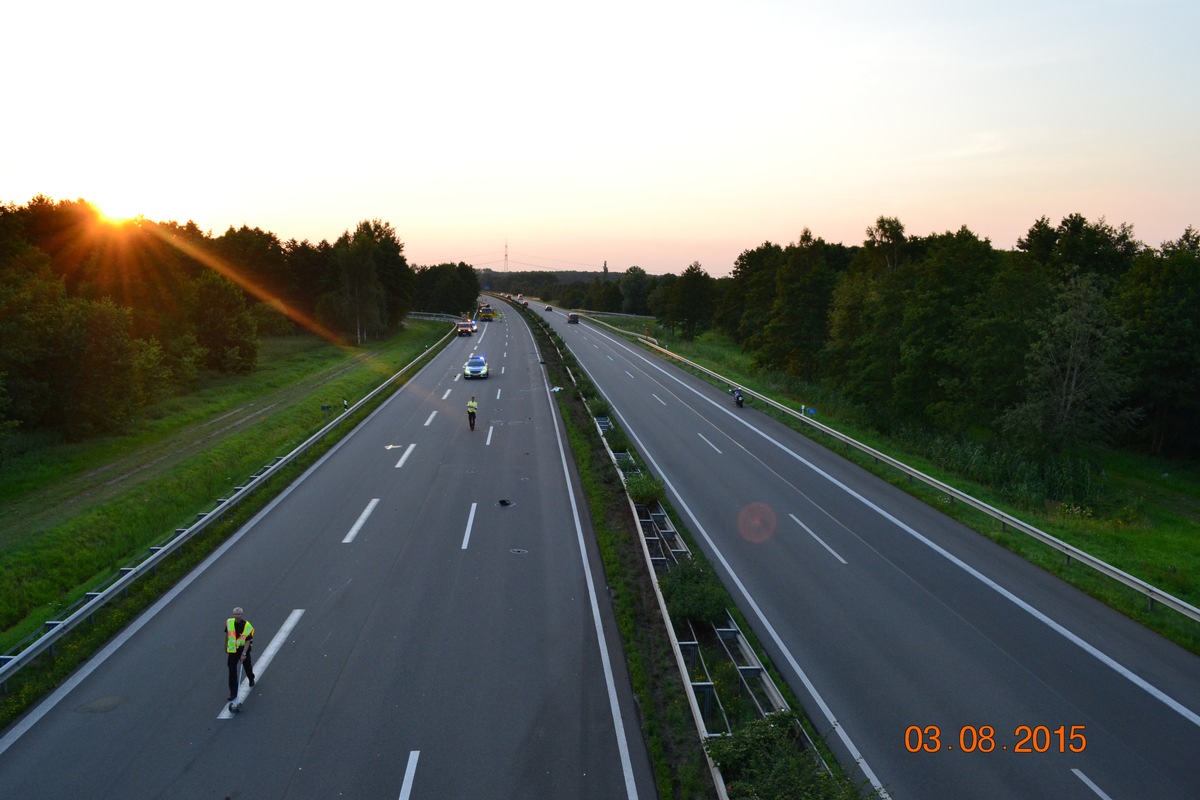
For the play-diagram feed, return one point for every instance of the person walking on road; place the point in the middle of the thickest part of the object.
(239, 636)
(472, 407)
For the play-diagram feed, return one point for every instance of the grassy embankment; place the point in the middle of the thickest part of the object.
(82, 509)
(1144, 520)
(73, 513)
(762, 759)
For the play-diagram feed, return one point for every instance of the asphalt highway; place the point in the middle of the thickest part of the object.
(431, 622)
(937, 664)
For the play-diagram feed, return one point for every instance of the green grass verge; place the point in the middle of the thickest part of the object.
(49, 670)
(46, 569)
(679, 765)
(677, 760)
(1145, 523)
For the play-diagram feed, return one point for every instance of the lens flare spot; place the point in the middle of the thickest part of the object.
(756, 523)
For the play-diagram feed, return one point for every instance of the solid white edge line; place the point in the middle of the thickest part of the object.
(79, 676)
(431, 416)
(821, 541)
(1088, 783)
(362, 520)
(601, 639)
(410, 772)
(407, 453)
(834, 723)
(264, 660)
(470, 522)
(1104, 658)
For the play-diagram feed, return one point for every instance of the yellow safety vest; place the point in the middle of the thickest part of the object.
(472, 406)
(232, 640)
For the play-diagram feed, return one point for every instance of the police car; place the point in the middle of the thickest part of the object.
(476, 367)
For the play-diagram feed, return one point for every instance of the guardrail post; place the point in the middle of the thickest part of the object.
(688, 649)
(51, 624)
(10, 664)
(704, 690)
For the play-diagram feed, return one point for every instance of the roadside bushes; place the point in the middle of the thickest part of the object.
(693, 592)
(644, 489)
(764, 760)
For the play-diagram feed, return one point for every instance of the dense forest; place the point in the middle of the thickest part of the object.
(1079, 337)
(99, 320)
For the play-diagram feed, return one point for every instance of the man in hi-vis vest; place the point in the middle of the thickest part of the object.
(472, 409)
(239, 636)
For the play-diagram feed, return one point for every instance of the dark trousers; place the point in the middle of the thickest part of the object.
(471, 419)
(232, 662)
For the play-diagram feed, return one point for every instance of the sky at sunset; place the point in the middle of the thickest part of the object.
(648, 133)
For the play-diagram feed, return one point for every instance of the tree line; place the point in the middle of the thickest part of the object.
(99, 320)
(1081, 336)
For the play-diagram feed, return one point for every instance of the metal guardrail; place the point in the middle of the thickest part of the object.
(1153, 593)
(434, 315)
(661, 546)
(34, 645)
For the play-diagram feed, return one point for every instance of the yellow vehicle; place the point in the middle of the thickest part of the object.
(487, 313)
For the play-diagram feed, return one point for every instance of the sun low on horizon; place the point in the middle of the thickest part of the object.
(653, 134)
(116, 213)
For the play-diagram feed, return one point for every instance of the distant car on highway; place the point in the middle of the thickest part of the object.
(572, 319)
(549, 308)
(476, 367)
(465, 328)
